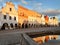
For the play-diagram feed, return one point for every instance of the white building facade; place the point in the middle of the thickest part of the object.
(7, 21)
(53, 21)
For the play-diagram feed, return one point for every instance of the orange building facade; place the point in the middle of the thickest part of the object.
(28, 16)
(22, 17)
(46, 20)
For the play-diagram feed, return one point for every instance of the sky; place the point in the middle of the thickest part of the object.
(46, 7)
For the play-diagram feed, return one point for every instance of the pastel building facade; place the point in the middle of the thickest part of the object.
(30, 17)
(8, 16)
(53, 21)
(22, 16)
(42, 20)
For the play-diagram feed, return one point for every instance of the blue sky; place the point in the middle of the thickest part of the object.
(47, 7)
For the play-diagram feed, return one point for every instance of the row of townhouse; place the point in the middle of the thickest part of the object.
(10, 18)
(49, 21)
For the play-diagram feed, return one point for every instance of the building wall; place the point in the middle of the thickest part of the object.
(22, 16)
(32, 16)
(42, 20)
(46, 19)
(13, 11)
(8, 10)
(7, 20)
(53, 21)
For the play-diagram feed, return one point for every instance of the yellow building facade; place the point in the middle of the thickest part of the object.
(9, 16)
(10, 9)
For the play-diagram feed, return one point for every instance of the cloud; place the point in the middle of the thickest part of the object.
(37, 4)
(24, 2)
(17, 1)
(1, 3)
(37, 7)
(1, 0)
(51, 12)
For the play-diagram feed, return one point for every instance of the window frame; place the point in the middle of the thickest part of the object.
(5, 17)
(14, 18)
(11, 25)
(10, 9)
(10, 18)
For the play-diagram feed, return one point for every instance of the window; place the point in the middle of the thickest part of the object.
(11, 25)
(53, 17)
(14, 18)
(10, 18)
(10, 9)
(4, 16)
(15, 25)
